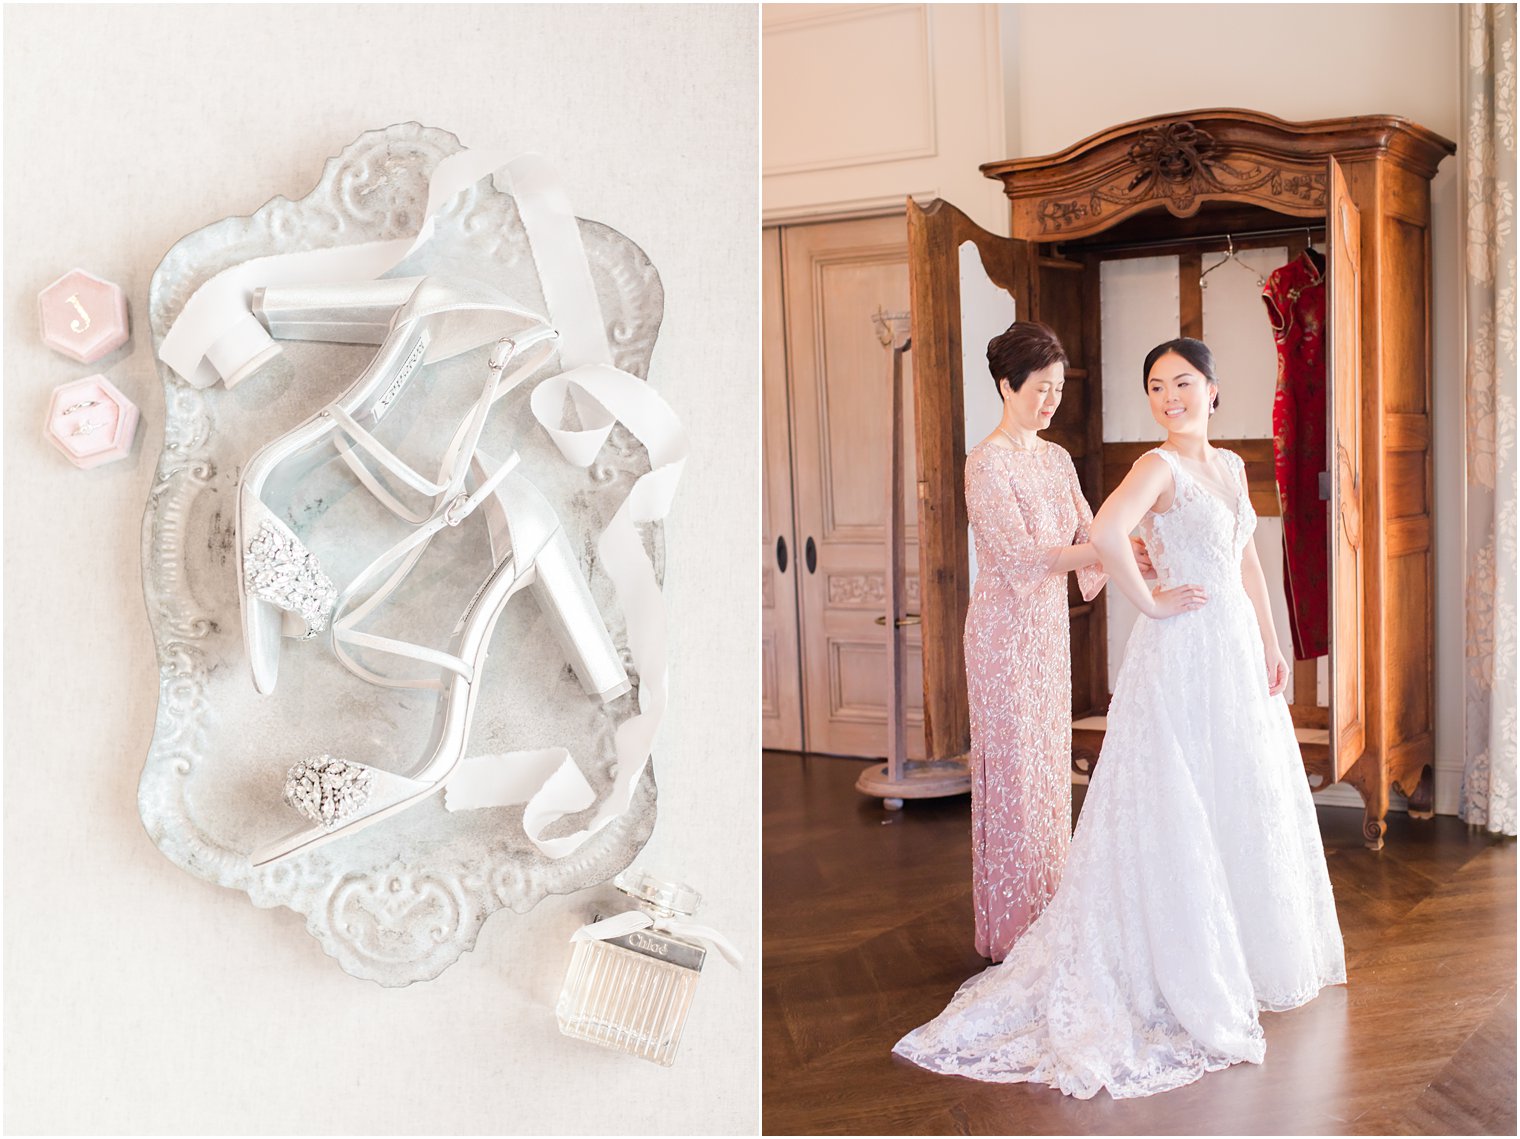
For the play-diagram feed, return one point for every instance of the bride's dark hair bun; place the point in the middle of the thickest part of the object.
(1195, 352)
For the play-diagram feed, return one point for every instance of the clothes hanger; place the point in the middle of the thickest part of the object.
(1316, 258)
(1228, 257)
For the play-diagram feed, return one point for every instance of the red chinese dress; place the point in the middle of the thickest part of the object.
(1295, 300)
(1022, 506)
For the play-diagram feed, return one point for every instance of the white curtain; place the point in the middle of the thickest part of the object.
(1488, 175)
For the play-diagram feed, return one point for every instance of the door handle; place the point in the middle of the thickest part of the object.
(810, 554)
(781, 554)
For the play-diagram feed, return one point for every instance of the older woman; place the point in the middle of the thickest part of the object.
(1030, 525)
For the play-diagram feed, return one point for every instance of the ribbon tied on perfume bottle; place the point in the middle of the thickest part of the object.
(631, 921)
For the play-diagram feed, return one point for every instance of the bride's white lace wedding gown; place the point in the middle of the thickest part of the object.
(1195, 892)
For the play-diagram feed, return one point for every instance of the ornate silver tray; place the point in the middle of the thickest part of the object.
(401, 900)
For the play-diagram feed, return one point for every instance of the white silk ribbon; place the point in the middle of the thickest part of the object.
(216, 337)
(603, 396)
(500, 780)
(620, 925)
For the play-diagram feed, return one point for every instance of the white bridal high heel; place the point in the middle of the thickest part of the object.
(217, 337)
(339, 796)
(417, 322)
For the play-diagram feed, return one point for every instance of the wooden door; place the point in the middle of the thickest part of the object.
(781, 662)
(1347, 570)
(835, 277)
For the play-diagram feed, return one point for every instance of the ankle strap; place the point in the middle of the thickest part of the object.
(456, 458)
(403, 556)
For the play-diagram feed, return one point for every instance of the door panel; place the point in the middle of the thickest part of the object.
(780, 671)
(836, 276)
(1347, 569)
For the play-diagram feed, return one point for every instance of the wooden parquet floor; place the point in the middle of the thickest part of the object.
(868, 933)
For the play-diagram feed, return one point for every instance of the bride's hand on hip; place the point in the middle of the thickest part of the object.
(1181, 599)
(1277, 671)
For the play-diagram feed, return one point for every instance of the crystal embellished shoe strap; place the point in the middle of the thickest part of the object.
(279, 569)
(328, 790)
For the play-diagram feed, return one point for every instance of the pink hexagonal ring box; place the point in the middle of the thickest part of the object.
(90, 421)
(83, 316)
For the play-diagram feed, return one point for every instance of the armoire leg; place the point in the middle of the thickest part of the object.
(1422, 801)
(1084, 761)
(1366, 775)
(1373, 829)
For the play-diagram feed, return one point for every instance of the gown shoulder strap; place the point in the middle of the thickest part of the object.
(1237, 465)
(1171, 459)
(1178, 481)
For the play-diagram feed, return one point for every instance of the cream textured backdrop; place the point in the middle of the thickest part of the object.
(138, 998)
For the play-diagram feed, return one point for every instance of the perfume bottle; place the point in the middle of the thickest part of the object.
(631, 990)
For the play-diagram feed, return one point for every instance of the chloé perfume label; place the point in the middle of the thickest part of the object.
(407, 368)
(661, 946)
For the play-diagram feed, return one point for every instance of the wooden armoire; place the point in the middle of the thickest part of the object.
(1186, 183)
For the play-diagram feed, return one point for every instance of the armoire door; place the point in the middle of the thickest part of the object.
(962, 276)
(836, 276)
(1347, 569)
(780, 668)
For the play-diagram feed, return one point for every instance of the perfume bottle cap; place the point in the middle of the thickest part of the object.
(667, 897)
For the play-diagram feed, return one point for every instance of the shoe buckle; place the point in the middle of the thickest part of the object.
(455, 512)
(505, 347)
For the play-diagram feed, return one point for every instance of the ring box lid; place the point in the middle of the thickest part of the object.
(83, 316)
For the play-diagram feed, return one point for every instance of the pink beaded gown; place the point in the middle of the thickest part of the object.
(1022, 505)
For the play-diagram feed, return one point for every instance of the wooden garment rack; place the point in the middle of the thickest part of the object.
(900, 777)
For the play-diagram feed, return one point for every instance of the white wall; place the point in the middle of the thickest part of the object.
(1064, 83)
(866, 104)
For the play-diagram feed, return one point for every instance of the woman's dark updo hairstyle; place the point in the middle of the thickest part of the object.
(1195, 352)
(1026, 347)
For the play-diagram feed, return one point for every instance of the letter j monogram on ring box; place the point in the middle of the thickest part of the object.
(632, 976)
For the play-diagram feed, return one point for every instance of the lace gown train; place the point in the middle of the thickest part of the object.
(1195, 891)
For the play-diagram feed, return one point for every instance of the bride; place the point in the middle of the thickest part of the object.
(1195, 893)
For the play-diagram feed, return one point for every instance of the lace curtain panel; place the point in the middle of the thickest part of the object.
(1488, 175)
